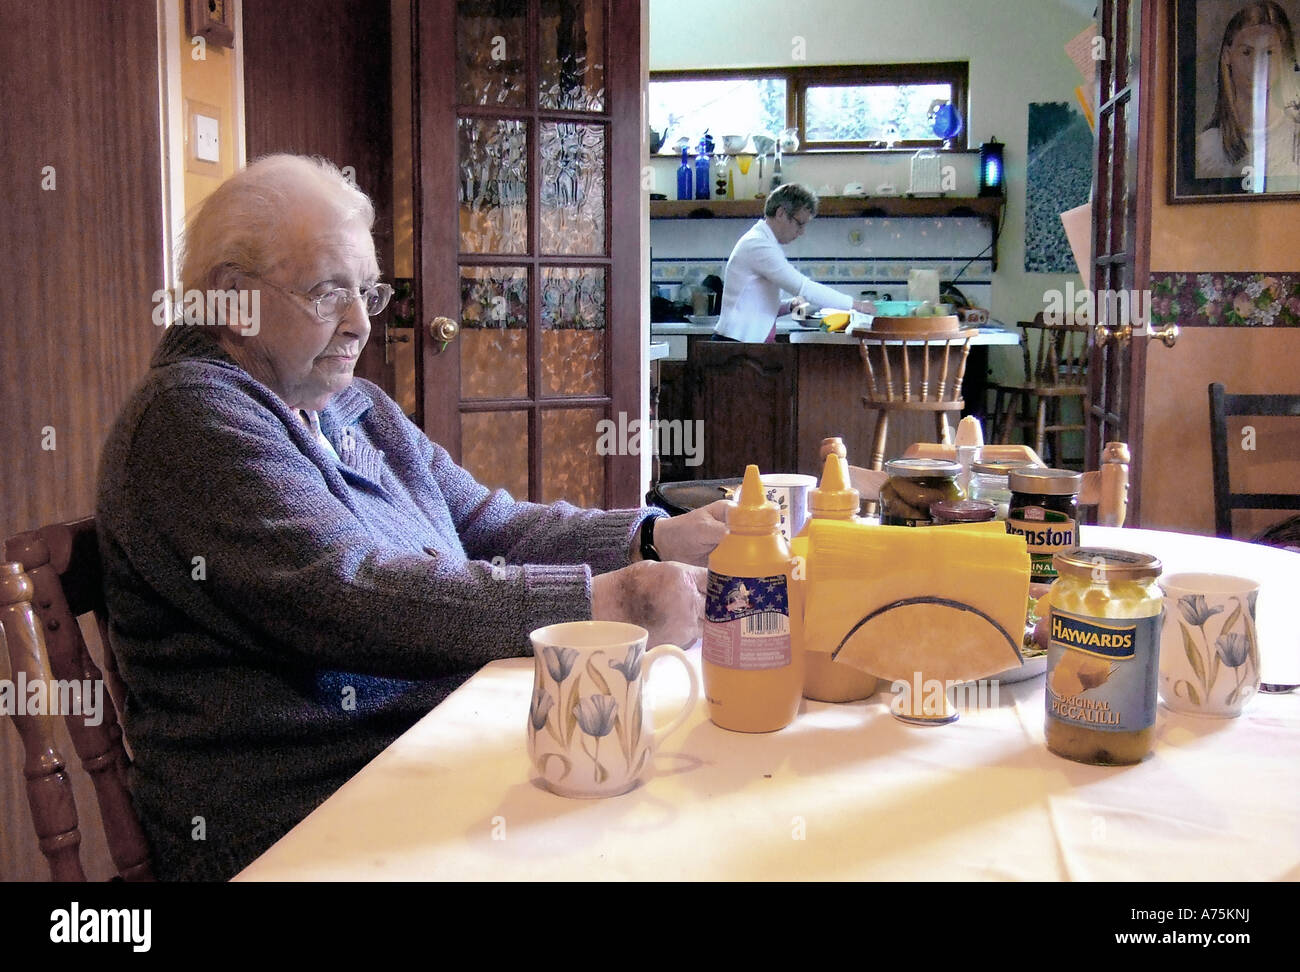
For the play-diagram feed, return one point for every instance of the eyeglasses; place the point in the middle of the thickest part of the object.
(333, 305)
(801, 223)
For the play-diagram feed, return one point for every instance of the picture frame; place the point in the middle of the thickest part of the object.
(1220, 49)
(213, 20)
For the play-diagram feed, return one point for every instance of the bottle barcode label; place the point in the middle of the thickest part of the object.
(767, 624)
(747, 622)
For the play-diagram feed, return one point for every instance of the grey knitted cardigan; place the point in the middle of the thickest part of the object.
(281, 615)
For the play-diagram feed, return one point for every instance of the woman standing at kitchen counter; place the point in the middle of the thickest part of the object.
(757, 272)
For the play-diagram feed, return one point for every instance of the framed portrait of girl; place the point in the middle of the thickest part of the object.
(1235, 113)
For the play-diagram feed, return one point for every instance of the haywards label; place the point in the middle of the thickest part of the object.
(1045, 532)
(1101, 672)
(1110, 639)
(747, 622)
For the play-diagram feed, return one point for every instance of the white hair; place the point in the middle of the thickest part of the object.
(252, 220)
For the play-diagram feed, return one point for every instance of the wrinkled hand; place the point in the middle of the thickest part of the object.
(667, 599)
(691, 537)
(799, 307)
(864, 307)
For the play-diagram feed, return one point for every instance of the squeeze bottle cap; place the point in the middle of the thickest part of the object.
(834, 495)
(753, 512)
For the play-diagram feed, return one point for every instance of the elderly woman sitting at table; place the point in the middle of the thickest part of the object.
(295, 574)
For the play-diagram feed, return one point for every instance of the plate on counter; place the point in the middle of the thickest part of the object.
(706, 320)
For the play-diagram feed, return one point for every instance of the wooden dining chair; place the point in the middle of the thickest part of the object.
(1056, 369)
(913, 372)
(1223, 405)
(53, 577)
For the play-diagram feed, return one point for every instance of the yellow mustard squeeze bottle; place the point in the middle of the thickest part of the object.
(753, 677)
(825, 680)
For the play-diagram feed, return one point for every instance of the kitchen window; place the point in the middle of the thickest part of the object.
(869, 106)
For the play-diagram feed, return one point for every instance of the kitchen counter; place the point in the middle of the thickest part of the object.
(773, 403)
(989, 334)
(993, 333)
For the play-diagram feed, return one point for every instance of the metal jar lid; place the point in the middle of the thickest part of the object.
(1051, 482)
(963, 511)
(1106, 564)
(921, 468)
(1002, 467)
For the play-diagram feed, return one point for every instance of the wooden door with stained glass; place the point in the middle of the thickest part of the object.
(1122, 192)
(528, 150)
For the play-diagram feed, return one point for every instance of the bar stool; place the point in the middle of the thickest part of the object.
(913, 371)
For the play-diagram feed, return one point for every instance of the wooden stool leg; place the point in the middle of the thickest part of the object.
(1012, 407)
(942, 428)
(878, 443)
(1040, 423)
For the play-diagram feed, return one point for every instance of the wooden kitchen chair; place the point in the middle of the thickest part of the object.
(913, 372)
(53, 577)
(1055, 370)
(1223, 405)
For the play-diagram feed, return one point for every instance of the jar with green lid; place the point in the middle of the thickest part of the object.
(1044, 509)
(1103, 659)
(989, 482)
(913, 485)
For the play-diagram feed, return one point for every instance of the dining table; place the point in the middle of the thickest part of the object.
(846, 792)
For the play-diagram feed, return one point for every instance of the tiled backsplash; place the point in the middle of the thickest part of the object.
(851, 254)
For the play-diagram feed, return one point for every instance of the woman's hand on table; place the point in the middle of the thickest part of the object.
(691, 537)
(665, 598)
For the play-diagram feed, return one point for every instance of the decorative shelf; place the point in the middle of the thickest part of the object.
(986, 208)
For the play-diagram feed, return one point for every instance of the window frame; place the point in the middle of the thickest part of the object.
(799, 79)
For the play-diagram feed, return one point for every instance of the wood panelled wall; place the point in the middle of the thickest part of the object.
(317, 82)
(82, 259)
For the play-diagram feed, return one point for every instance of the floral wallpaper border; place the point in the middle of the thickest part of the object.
(1225, 299)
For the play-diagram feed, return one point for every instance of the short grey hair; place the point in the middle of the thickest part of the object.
(791, 197)
(249, 222)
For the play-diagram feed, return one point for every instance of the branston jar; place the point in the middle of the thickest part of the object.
(1044, 509)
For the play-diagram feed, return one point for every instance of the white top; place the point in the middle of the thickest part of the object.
(757, 272)
(1282, 158)
(845, 793)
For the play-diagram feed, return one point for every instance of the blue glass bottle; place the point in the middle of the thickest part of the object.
(703, 176)
(685, 189)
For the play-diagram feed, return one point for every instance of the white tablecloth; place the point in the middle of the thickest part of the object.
(846, 792)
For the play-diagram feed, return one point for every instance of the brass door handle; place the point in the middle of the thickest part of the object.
(1120, 335)
(443, 330)
(1168, 335)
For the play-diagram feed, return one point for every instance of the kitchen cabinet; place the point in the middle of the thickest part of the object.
(745, 395)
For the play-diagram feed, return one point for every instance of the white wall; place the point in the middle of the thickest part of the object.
(1015, 49)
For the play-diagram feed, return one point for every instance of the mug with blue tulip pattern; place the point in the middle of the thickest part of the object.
(589, 734)
(1209, 651)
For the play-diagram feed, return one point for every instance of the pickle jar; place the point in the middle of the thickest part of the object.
(989, 482)
(913, 485)
(1103, 659)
